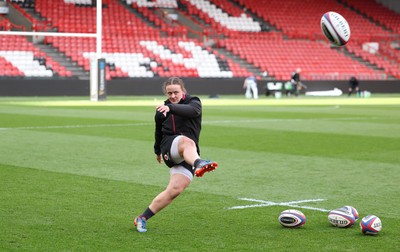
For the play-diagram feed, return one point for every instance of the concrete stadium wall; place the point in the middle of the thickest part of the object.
(146, 86)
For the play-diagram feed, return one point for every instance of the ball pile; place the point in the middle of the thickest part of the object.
(346, 216)
(342, 217)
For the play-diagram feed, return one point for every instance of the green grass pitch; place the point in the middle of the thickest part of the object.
(74, 173)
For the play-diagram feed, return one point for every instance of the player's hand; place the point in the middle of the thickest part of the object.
(159, 158)
(163, 109)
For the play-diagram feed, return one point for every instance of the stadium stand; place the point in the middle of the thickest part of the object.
(27, 59)
(377, 12)
(213, 13)
(279, 14)
(5, 25)
(154, 4)
(286, 55)
(8, 69)
(131, 49)
(140, 39)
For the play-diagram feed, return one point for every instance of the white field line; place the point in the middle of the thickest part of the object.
(293, 204)
(78, 126)
(291, 120)
(204, 122)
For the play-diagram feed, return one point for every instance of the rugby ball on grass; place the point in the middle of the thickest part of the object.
(335, 28)
(351, 210)
(371, 225)
(292, 218)
(341, 218)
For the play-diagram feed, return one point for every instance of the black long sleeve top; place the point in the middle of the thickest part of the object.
(184, 118)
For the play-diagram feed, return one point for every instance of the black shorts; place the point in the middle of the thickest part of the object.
(166, 144)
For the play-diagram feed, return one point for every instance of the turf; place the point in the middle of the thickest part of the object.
(74, 173)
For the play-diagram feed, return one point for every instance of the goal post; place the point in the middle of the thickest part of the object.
(98, 90)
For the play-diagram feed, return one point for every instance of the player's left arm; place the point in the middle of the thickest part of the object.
(189, 110)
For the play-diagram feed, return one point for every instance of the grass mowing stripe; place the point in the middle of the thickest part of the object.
(100, 156)
(327, 126)
(142, 113)
(357, 147)
(306, 125)
(212, 122)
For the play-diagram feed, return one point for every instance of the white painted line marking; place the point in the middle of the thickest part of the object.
(204, 122)
(290, 120)
(293, 204)
(78, 126)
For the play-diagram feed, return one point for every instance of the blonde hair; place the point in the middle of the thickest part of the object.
(174, 81)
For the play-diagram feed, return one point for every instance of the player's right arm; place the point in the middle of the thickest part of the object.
(158, 133)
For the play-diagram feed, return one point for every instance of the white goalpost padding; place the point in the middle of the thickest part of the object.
(98, 79)
(97, 85)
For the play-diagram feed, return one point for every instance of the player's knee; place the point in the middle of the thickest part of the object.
(186, 142)
(175, 190)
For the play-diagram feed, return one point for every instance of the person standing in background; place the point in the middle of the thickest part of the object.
(250, 84)
(296, 83)
(354, 86)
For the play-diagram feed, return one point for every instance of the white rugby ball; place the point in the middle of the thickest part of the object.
(335, 28)
(341, 218)
(292, 218)
(371, 225)
(352, 210)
